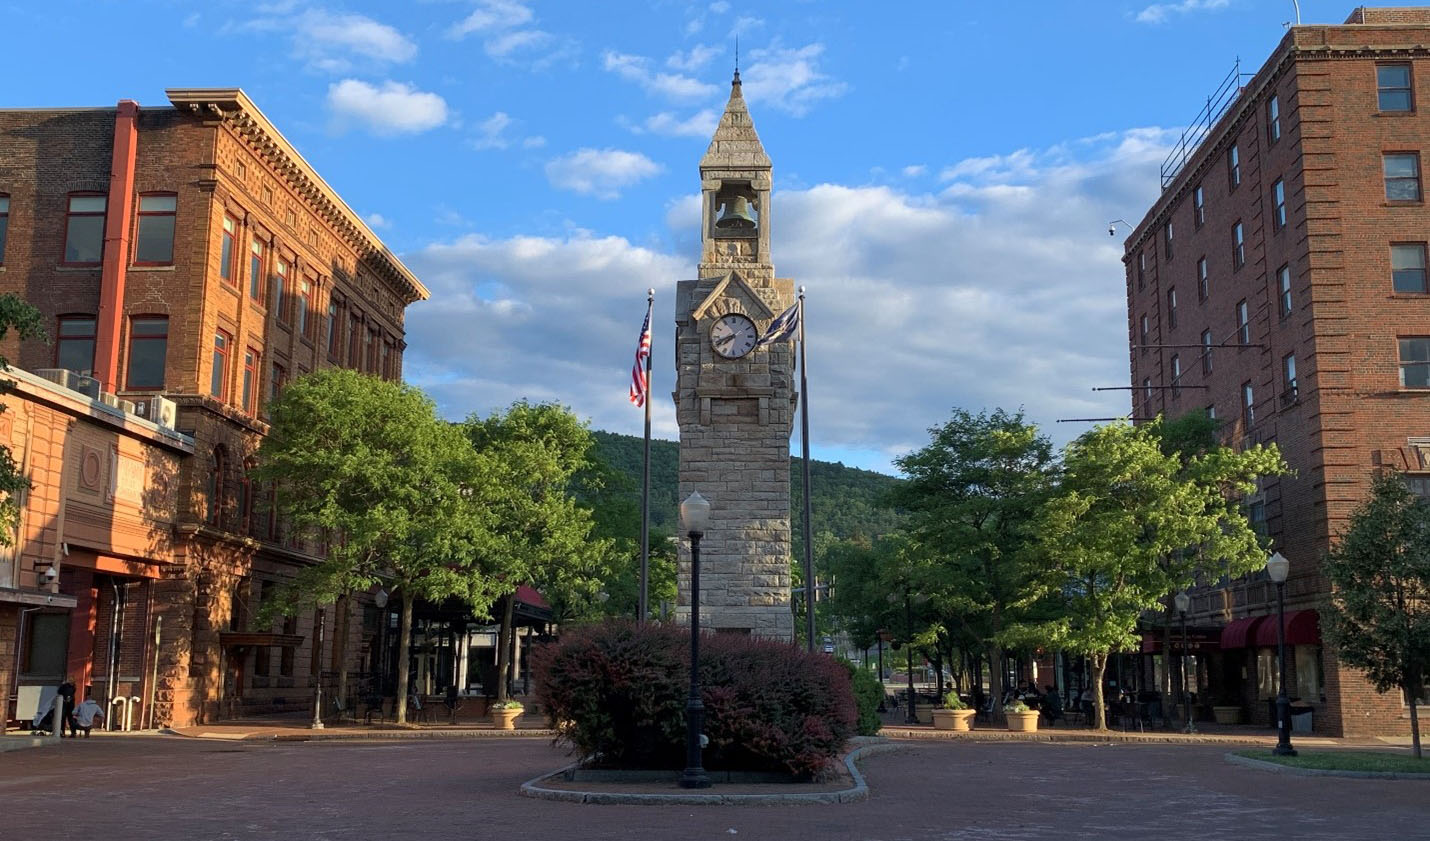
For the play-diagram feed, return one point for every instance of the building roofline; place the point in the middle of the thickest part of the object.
(234, 105)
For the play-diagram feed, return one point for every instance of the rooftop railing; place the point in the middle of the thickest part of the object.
(1192, 137)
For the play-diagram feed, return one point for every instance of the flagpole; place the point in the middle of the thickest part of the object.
(643, 609)
(809, 590)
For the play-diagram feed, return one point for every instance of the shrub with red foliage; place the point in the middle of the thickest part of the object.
(620, 688)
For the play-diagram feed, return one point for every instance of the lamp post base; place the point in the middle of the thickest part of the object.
(694, 778)
(1283, 728)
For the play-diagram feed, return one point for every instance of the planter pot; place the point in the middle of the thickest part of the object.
(1227, 714)
(956, 720)
(1023, 722)
(506, 718)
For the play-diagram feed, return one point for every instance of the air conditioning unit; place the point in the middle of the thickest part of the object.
(88, 386)
(158, 410)
(111, 400)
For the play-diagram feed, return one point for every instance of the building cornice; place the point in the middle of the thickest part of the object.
(232, 106)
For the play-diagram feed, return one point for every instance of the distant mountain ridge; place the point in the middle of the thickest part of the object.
(846, 500)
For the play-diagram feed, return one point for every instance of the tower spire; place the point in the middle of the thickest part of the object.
(735, 142)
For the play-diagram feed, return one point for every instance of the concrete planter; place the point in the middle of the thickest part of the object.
(1227, 714)
(1023, 722)
(505, 718)
(958, 721)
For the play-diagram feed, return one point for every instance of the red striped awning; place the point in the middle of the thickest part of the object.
(1240, 633)
(1303, 627)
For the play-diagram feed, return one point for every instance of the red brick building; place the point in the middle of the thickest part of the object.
(1280, 283)
(188, 261)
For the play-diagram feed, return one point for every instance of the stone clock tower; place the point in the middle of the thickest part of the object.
(735, 401)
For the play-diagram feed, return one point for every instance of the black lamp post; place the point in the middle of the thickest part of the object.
(1278, 568)
(694, 516)
(380, 600)
(318, 673)
(1184, 602)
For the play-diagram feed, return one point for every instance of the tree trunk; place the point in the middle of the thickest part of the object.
(340, 647)
(404, 646)
(1099, 710)
(1414, 723)
(995, 680)
(504, 646)
(938, 670)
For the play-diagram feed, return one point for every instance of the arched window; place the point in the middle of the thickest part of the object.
(214, 487)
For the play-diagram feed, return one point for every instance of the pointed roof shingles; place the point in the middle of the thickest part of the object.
(735, 144)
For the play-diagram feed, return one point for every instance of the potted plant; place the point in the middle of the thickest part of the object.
(954, 715)
(1020, 718)
(1227, 711)
(505, 714)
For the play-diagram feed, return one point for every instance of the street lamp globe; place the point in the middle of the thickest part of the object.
(695, 514)
(1278, 568)
(380, 598)
(1183, 601)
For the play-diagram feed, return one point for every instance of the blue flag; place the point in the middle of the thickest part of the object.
(784, 327)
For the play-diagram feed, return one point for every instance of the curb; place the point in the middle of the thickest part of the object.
(1266, 765)
(10, 743)
(1042, 736)
(371, 735)
(859, 791)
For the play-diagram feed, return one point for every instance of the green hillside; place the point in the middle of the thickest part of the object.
(846, 500)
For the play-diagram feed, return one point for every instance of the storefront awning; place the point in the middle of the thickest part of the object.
(1303, 627)
(1241, 633)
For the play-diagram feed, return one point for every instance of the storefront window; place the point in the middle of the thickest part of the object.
(45, 646)
(1308, 673)
(1266, 673)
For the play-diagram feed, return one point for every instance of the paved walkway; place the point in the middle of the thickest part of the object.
(199, 789)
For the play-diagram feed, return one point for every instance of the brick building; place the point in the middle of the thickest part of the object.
(1279, 283)
(188, 261)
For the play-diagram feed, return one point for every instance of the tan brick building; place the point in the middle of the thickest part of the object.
(1280, 283)
(187, 260)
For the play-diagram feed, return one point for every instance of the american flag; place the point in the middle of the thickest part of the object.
(640, 379)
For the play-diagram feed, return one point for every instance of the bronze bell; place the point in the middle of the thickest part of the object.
(736, 214)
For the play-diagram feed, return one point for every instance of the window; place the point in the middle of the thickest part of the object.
(1206, 351)
(1233, 167)
(1238, 246)
(1172, 307)
(148, 345)
(1176, 376)
(1283, 286)
(1288, 377)
(218, 378)
(1211, 412)
(370, 351)
(1146, 388)
(1273, 119)
(1278, 197)
(225, 250)
(386, 366)
(84, 230)
(1141, 269)
(245, 497)
(332, 340)
(305, 304)
(154, 242)
(1167, 239)
(1392, 83)
(214, 488)
(255, 270)
(1415, 363)
(1407, 267)
(46, 644)
(74, 343)
(276, 380)
(1419, 484)
(354, 339)
(1248, 405)
(280, 291)
(250, 379)
(1203, 286)
(1402, 176)
(290, 218)
(266, 194)
(1243, 323)
(4, 224)
(1308, 673)
(1266, 677)
(1199, 206)
(1142, 340)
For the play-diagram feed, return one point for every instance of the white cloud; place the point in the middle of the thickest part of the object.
(720, 7)
(1001, 290)
(508, 38)
(335, 42)
(789, 79)
(668, 124)
(602, 173)
(533, 142)
(1161, 12)
(915, 170)
(492, 132)
(694, 58)
(638, 69)
(377, 221)
(394, 108)
(492, 15)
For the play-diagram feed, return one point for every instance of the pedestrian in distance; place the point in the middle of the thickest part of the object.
(87, 713)
(67, 693)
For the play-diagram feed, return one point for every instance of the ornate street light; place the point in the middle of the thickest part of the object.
(1279, 568)
(1184, 603)
(694, 517)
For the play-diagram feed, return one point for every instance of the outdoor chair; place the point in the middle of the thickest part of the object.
(376, 708)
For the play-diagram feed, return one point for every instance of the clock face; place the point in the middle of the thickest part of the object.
(733, 336)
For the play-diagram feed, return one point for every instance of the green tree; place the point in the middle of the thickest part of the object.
(614, 502)
(17, 315)
(973, 494)
(1378, 615)
(1121, 508)
(532, 453)
(367, 464)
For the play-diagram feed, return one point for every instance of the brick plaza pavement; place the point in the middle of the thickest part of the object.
(150, 787)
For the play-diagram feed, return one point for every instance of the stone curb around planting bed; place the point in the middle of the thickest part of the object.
(859, 791)
(1267, 765)
(1045, 736)
(373, 735)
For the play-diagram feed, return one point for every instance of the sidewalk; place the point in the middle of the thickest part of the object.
(299, 729)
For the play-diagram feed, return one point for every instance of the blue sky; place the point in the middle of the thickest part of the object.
(944, 174)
